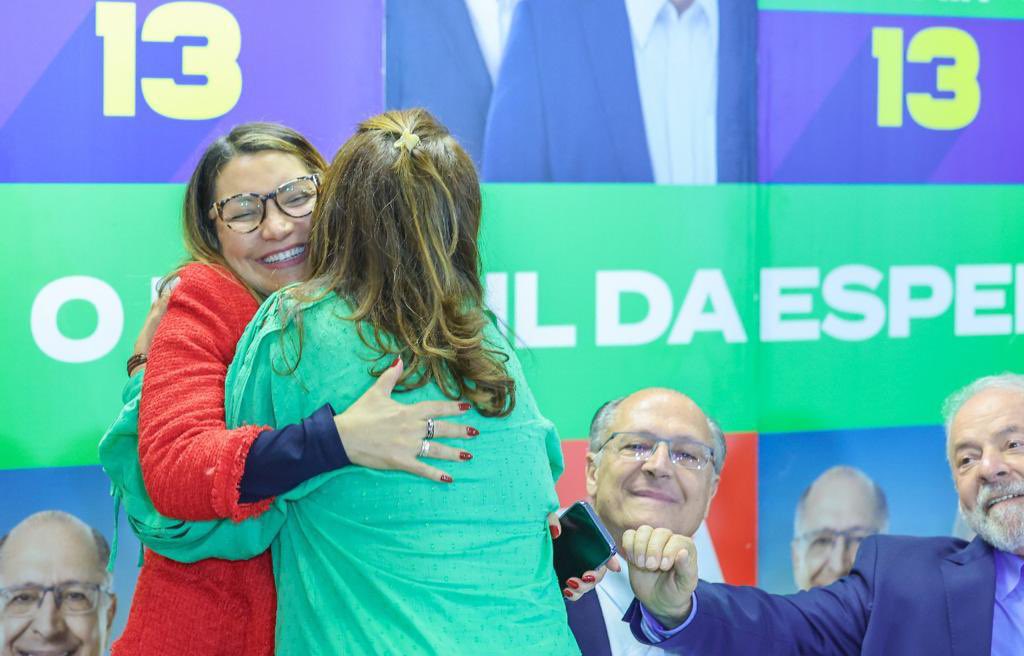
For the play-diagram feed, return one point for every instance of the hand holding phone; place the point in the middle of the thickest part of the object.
(584, 543)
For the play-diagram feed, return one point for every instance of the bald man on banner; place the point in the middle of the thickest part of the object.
(55, 590)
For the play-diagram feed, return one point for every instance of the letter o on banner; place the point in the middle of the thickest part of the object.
(52, 298)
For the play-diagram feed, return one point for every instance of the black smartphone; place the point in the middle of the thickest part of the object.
(584, 543)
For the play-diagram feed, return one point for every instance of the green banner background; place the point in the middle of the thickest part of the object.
(125, 235)
(961, 8)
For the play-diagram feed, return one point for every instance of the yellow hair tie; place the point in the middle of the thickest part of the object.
(408, 139)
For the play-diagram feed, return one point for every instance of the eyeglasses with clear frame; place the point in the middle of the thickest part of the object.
(821, 542)
(683, 451)
(72, 597)
(245, 212)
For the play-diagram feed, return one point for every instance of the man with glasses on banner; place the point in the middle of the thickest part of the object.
(654, 458)
(55, 590)
(833, 516)
(939, 596)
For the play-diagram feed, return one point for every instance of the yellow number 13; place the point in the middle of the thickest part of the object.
(959, 78)
(217, 60)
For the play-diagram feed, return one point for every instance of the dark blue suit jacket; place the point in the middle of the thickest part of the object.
(566, 107)
(587, 624)
(932, 596)
(434, 61)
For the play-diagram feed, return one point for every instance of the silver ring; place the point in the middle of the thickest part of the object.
(430, 429)
(424, 449)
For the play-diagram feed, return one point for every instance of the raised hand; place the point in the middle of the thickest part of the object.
(662, 572)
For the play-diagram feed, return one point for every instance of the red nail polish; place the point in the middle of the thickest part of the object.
(572, 584)
(587, 578)
(472, 432)
(445, 478)
(464, 406)
(397, 360)
(465, 455)
(555, 530)
(567, 593)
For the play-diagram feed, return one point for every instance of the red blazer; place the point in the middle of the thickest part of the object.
(192, 466)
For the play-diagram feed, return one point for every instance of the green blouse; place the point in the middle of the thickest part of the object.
(374, 562)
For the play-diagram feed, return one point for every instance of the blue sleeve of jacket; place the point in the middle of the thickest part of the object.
(515, 142)
(279, 460)
(737, 619)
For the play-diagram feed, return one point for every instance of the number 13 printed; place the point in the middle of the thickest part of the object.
(217, 60)
(959, 78)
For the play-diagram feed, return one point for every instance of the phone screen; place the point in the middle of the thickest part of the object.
(584, 544)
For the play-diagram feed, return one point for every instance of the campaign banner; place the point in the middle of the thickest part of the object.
(779, 308)
(776, 308)
(82, 493)
(858, 98)
(974, 8)
(134, 91)
(827, 490)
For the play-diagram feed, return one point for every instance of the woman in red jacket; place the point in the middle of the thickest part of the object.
(246, 219)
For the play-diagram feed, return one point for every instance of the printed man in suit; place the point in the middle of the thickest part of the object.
(626, 91)
(55, 594)
(836, 512)
(444, 55)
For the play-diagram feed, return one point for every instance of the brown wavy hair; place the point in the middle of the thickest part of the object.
(395, 235)
(198, 229)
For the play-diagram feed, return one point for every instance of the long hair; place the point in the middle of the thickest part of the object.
(395, 235)
(198, 229)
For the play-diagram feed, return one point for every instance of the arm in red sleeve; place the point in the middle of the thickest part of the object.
(191, 462)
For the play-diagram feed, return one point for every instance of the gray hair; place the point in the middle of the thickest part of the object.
(957, 399)
(603, 418)
(881, 504)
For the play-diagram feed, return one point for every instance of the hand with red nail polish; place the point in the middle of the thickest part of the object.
(379, 433)
(589, 580)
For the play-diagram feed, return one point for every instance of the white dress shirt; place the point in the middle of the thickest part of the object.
(616, 595)
(676, 58)
(491, 22)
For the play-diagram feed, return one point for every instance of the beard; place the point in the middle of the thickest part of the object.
(1002, 526)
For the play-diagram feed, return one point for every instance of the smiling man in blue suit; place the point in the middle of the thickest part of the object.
(626, 91)
(935, 596)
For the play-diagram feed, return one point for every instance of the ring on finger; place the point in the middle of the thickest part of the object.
(424, 448)
(430, 429)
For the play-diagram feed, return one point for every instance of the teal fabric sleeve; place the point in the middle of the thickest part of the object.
(173, 538)
(185, 541)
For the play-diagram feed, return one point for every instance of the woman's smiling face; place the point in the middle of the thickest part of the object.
(274, 254)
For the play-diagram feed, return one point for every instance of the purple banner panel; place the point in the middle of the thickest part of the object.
(134, 91)
(848, 98)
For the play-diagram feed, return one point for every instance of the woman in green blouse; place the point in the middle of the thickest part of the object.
(369, 561)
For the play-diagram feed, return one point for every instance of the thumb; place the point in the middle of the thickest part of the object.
(386, 382)
(685, 569)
